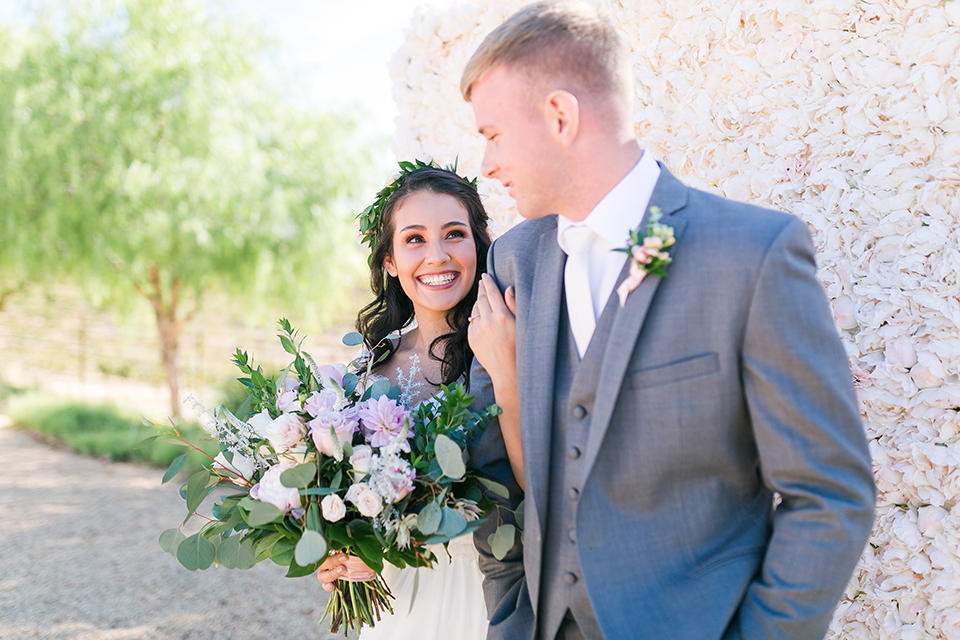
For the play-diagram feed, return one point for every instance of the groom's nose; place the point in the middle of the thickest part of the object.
(488, 168)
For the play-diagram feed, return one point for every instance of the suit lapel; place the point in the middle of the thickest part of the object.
(541, 327)
(670, 195)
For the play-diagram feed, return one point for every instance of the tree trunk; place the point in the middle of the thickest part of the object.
(169, 330)
(169, 327)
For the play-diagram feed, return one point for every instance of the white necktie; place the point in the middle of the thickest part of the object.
(576, 241)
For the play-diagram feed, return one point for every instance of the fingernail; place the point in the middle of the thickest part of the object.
(340, 569)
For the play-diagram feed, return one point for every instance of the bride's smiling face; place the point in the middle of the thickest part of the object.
(434, 252)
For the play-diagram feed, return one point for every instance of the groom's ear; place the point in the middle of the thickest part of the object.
(390, 266)
(563, 116)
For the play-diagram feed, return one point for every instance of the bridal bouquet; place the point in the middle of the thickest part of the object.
(320, 461)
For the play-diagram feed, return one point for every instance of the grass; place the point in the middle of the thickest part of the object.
(103, 431)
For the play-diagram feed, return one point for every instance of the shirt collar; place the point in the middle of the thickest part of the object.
(621, 210)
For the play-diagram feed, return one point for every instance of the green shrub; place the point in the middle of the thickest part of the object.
(103, 431)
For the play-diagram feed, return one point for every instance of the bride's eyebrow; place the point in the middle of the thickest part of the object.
(420, 227)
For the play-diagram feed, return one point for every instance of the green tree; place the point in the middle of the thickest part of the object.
(149, 151)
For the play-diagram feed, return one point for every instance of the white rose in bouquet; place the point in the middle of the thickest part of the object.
(260, 421)
(368, 502)
(284, 432)
(333, 508)
(271, 490)
(239, 471)
(360, 460)
(289, 399)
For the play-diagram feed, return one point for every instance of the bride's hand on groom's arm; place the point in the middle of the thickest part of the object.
(493, 332)
(493, 339)
(341, 566)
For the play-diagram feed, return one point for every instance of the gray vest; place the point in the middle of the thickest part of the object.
(562, 585)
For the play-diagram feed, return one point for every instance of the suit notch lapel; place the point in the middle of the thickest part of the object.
(536, 409)
(670, 196)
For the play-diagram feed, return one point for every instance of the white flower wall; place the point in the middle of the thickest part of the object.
(847, 114)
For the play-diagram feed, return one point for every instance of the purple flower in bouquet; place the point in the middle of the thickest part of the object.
(271, 490)
(343, 424)
(382, 420)
(320, 401)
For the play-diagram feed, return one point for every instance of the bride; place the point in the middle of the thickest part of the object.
(429, 248)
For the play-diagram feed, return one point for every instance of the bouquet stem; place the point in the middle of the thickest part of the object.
(355, 604)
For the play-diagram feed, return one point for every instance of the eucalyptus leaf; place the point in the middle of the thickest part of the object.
(174, 468)
(501, 540)
(299, 476)
(452, 523)
(353, 339)
(170, 540)
(263, 513)
(450, 457)
(428, 520)
(247, 555)
(196, 552)
(313, 517)
(494, 487)
(145, 442)
(518, 514)
(378, 388)
(311, 548)
(350, 383)
(228, 553)
(197, 489)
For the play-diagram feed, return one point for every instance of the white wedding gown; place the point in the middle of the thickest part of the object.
(447, 599)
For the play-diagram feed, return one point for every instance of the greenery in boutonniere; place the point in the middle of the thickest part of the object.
(648, 253)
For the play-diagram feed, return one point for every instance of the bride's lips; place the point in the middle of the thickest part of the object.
(438, 281)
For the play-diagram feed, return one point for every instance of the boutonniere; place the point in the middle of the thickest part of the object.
(648, 253)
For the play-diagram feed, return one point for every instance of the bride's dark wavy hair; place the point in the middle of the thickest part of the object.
(392, 309)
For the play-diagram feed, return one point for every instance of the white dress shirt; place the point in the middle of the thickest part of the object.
(615, 216)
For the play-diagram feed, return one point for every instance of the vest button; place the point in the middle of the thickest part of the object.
(574, 452)
(572, 534)
(578, 412)
(570, 578)
(573, 494)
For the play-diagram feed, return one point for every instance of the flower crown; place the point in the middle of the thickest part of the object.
(371, 219)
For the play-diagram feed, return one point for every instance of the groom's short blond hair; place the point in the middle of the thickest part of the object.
(564, 40)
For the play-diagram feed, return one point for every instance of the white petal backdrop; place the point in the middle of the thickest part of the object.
(845, 113)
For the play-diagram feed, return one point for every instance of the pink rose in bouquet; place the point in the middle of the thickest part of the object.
(343, 424)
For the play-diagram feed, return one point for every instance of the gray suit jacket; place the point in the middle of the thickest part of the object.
(722, 383)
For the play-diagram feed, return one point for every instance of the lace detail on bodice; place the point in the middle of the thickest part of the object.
(410, 383)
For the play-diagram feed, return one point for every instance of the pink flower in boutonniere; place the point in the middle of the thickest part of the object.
(647, 253)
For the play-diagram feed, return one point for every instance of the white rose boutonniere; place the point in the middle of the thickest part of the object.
(648, 253)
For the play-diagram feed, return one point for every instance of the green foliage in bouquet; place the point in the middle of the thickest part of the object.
(325, 459)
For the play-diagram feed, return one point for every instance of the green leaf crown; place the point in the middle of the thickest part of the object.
(371, 219)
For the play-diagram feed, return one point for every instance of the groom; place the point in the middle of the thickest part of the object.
(657, 431)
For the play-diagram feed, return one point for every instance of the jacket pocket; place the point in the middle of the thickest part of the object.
(686, 369)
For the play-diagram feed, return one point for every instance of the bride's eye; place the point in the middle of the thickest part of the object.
(457, 234)
(414, 239)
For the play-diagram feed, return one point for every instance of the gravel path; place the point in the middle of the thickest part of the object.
(79, 559)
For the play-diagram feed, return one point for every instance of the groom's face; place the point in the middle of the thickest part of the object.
(519, 149)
